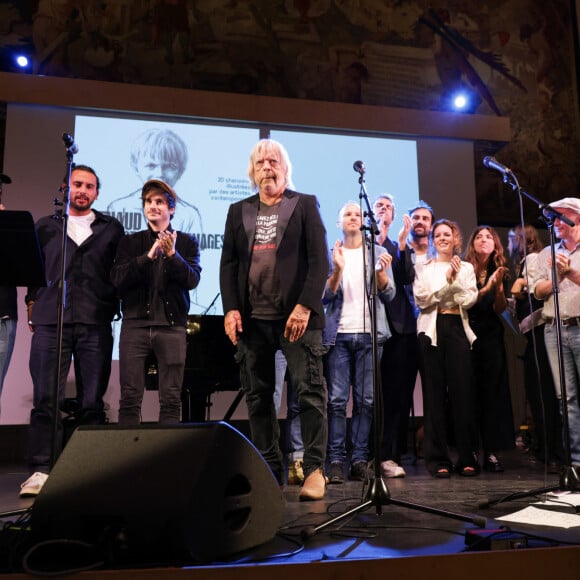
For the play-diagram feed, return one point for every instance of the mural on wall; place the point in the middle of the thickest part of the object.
(516, 56)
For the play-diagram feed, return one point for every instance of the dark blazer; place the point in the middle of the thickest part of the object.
(134, 274)
(301, 255)
(400, 310)
(90, 296)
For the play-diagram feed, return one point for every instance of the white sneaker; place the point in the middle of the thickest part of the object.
(32, 486)
(392, 469)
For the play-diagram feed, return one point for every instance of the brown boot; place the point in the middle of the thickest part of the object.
(314, 486)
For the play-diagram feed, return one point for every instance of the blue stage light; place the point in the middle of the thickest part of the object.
(22, 61)
(460, 101)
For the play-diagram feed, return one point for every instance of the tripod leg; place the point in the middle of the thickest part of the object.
(311, 531)
(234, 405)
(379, 496)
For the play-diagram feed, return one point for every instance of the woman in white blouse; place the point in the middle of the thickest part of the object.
(444, 288)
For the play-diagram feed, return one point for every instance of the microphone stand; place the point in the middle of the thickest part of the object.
(378, 494)
(61, 297)
(569, 476)
(211, 305)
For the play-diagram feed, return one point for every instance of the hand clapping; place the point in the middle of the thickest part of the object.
(454, 267)
(164, 245)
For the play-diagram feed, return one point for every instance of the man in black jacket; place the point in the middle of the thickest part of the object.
(89, 307)
(273, 269)
(400, 358)
(153, 273)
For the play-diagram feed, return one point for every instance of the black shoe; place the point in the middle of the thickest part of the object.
(492, 463)
(442, 471)
(336, 472)
(467, 470)
(358, 471)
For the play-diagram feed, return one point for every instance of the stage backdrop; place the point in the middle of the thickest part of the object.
(209, 170)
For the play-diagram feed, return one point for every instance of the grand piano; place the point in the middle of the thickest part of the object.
(209, 367)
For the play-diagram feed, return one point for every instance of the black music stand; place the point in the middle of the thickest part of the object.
(20, 255)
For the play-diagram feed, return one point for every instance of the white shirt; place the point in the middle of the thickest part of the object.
(432, 291)
(569, 293)
(355, 315)
(79, 227)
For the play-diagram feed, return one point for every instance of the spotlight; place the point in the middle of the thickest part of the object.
(22, 61)
(16, 59)
(460, 101)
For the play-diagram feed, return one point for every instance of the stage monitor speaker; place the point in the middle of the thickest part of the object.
(160, 492)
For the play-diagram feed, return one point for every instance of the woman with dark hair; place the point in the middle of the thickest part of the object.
(547, 443)
(444, 290)
(495, 418)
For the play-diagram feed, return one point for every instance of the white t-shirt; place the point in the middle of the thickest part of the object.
(79, 227)
(355, 316)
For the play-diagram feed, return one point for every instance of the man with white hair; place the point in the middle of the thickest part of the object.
(273, 269)
(567, 254)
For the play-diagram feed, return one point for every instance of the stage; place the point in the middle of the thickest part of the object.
(386, 540)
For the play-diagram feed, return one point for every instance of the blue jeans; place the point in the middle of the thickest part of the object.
(92, 346)
(168, 344)
(349, 362)
(7, 336)
(256, 355)
(571, 365)
(293, 432)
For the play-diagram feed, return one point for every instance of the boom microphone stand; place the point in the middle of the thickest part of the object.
(569, 476)
(70, 150)
(378, 494)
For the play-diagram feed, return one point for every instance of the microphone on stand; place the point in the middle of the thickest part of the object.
(69, 143)
(493, 163)
(359, 167)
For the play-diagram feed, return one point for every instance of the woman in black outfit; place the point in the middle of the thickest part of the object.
(495, 418)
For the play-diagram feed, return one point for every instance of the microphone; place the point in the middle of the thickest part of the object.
(359, 167)
(5, 179)
(493, 163)
(69, 143)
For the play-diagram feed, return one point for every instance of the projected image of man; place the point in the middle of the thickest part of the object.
(157, 154)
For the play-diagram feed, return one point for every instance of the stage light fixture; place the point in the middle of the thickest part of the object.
(22, 61)
(460, 101)
(15, 59)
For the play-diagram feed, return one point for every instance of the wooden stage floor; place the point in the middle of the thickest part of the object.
(387, 540)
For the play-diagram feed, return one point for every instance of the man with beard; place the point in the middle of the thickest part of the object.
(421, 223)
(90, 303)
(399, 361)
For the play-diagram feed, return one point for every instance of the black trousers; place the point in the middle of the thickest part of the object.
(448, 386)
(399, 365)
